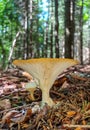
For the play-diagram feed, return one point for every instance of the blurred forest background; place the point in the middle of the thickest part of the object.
(44, 28)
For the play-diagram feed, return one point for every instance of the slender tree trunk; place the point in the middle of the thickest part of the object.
(51, 39)
(30, 34)
(51, 31)
(46, 39)
(46, 45)
(27, 30)
(89, 48)
(56, 29)
(3, 54)
(25, 27)
(69, 27)
(81, 34)
(89, 52)
(37, 54)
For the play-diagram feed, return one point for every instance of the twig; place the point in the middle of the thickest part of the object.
(18, 107)
(74, 126)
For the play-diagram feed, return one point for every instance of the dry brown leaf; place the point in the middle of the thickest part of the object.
(77, 117)
(19, 117)
(78, 128)
(60, 81)
(28, 115)
(5, 104)
(16, 117)
(71, 113)
(45, 128)
(6, 118)
(66, 121)
(24, 125)
(84, 122)
(64, 85)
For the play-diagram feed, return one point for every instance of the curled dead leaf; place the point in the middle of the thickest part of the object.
(28, 115)
(19, 117)
(6, 118)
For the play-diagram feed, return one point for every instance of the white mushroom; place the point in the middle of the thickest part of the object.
(46, 71)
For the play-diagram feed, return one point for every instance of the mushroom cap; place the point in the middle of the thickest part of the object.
(39, 66)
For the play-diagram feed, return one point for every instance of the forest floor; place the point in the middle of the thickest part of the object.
(71, 92)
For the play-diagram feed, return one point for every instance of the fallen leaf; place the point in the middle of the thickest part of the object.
(6, 118)
(5, 104)
(78, 128)
(71, 113)
(19, 117)
(84, 122)
(64, 85)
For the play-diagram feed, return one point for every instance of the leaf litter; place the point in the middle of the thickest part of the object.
(70, 92)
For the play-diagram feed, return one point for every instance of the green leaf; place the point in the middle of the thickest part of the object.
(85, 17)
(2, 7)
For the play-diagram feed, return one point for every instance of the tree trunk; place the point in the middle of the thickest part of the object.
(69, 27)
(25, 28)
(3, 55)
(51, 39)
(56, 29)
(81, 34)
(51, 31)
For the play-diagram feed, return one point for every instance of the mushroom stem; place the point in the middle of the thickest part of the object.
(46, 96)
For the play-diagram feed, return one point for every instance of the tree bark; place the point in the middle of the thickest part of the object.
(81, 34)
(56, 29)
(69, 27)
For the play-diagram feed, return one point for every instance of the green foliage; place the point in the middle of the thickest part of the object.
(12, 15)
(9, 24)
(85, 17)
(86, 9)
(87, 3)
